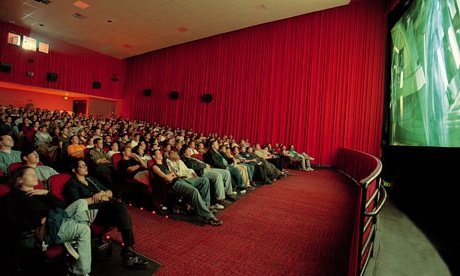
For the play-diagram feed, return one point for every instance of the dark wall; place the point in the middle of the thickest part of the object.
(424, 183)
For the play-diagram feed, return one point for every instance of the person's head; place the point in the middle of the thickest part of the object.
(187, 152)
(157, 156)
(250, 149)
(215, 145)
(79, 167)
(174, 156)
(236, 150)
(98, 143)
(30, 157)
(74, 139)
(108, 139)
(6, 141)
(257, 146)
(291, 147)
(127, 152)
(114, 146)
(242, 149)
(23, 178)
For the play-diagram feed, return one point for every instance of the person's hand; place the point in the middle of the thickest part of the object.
(194, 174)
(37, 192)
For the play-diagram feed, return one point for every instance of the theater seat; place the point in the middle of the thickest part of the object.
(56, 184)
(52, 260)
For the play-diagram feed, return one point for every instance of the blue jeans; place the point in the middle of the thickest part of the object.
(226, 179)
(76, 228)
(198, 191)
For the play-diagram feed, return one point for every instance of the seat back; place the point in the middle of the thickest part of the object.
(115, 159)
(4, 189)
(57, 184)
(14, 166)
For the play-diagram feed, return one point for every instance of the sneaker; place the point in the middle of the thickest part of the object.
(234, 193)
(217, 206)
(242, 192)
(214, 221)
(309, 169)
(135, 262)
(72, 252)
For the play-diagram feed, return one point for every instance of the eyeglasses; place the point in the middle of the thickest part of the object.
(82, 166)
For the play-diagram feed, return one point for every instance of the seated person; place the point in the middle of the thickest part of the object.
(110, 212)
(44, 143)
(162, 174)
(75, 149)
(103, 168)
(214, 158)
(25, 208)
(303, 157)
(180, 169)
(260, 170)
(203, 169)
(8, 156)
(272, 172)
(133, 166)
(247, 171)
(31, 159)
(262, 152)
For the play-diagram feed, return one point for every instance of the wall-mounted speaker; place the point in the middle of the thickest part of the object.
(97, 85)
(5, 67)
(174, 95)
(147, 92)
(207, 98)
(51, 76)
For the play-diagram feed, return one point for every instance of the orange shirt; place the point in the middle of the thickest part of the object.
(71, 149)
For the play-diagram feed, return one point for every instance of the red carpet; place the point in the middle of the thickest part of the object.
(299, 226)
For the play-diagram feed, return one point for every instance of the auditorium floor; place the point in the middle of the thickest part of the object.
(404, 249)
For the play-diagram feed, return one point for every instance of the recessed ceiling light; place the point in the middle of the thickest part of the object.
(82, 5)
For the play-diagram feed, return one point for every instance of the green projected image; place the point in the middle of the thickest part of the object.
(425, 75)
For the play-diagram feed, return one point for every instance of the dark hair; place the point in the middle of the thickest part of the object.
(74, 164)
(25, 152)
(17, 173)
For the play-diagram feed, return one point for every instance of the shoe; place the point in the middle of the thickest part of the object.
(217, 206)
(309, 169)
(213, 221)
(250, 188)
(242, 192)
(231, 197)
(135, 262)
(311, 158)
(224, 202)
(234, 193)
(72, 252)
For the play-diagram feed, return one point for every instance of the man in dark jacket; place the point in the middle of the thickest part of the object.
(216, 160)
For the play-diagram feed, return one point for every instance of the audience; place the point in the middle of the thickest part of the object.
(25, 208)
(163, 175)
(214, 158)
(180, 169)
(110, 212)
(31, 159)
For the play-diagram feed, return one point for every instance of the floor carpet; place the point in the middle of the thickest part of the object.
(301, 225)
(112, 266)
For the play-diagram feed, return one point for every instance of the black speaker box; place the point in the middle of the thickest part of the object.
(174, 95)
(51, 76)
(96, 85)
(207, 98)
(5, 67)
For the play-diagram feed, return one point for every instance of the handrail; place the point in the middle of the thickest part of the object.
(364, 170)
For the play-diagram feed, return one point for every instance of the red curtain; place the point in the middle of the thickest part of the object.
(316, 81)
